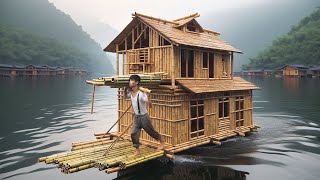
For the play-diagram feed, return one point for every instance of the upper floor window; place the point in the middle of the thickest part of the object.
(205, 60)
(187, 63)
(192, 27)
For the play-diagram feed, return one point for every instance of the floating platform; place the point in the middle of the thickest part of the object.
(89, 154)
(84, 155)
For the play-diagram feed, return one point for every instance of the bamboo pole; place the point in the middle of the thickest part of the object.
(93, 90)
(117, 120)
(111, 170)
(66, 154)
(87, 159)
(172, 68)
(117, 59)
(232, 69)
(50, 159)
(91, 142)
(115, 141)
(118, 160)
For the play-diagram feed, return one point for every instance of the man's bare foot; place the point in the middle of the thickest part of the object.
(161, 146)
(137, 153)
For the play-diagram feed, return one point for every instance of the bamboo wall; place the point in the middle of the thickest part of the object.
(148, 60)
(170, 114)
(144, 50)
(289, 71)
(199, 71)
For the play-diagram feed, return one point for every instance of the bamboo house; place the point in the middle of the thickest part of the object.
(196, 98)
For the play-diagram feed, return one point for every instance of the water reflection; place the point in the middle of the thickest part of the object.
(178, 170)
(41, 117)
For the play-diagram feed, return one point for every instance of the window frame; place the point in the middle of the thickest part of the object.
(239, 111)
(197, 132)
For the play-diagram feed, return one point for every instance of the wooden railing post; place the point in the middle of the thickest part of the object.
(172, 68)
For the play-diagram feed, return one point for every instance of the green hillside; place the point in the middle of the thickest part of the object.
(299, 46)
(19, 47)
(65, 43)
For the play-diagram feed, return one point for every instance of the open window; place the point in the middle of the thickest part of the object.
(211, 65)
(187, 63)
(192, 27)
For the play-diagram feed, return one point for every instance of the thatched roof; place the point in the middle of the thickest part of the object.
(171, 32)
(204, 85)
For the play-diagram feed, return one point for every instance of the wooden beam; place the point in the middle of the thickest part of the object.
(140, 34)
(172, 68)
(123, 61)
(126, 43)
(232, 69)
(92, 101)
(132, 40)
(117, 59)
(153, 28)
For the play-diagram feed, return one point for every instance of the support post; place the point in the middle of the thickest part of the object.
(172, 68)
(92, 102)
(117, 58)
(232, 68)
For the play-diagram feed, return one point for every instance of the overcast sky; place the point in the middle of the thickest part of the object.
(118, 13)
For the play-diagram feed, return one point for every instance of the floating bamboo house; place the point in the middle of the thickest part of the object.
(196, 98)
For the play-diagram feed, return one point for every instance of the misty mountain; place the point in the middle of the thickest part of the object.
(299, 46)
(43, 19)
(251, 29)
(99, 31)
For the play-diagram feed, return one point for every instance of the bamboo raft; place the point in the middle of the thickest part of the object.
(88, 154)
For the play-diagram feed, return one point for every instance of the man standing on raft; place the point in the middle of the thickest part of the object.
(141, 118)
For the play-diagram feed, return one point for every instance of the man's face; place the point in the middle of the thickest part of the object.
(133, 83)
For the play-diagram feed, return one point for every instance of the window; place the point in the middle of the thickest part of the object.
(211, 65)
(191, 27)
(183, 63)
(197, 118)
(224, 107)
(187, 63)
(190, 63)
(239, 103)
(205, 60)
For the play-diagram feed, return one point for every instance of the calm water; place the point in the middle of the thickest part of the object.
(44, 116)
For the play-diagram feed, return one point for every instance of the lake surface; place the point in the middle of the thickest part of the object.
(43, 116)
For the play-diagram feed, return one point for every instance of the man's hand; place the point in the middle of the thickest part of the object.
(126, 91)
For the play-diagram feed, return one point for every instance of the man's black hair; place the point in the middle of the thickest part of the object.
(135, 78)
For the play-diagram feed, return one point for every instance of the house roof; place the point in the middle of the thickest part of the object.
(295, 66)
(6, 66)
(168, 29)
(184, 20)
(315, 68)
(204, 85)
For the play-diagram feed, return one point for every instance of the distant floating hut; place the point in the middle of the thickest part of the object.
(196, 98)
(257, 72)
(7, 70)
(314, 72)
(293, 70)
